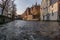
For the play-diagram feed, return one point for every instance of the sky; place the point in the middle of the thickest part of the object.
(21, 5)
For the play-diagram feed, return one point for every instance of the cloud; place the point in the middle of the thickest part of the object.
(19, 12)
(23, 4)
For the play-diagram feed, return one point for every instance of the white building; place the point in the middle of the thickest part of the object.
(50, 10)
(53, 11)
(44, 9)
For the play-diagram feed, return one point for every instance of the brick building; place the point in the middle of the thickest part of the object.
(32, 13)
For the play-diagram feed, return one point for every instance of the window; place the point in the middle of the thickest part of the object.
(52, 13)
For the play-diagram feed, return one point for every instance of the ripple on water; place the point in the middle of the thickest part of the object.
(23, 30)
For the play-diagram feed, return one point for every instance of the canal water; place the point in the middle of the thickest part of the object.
(29, 30)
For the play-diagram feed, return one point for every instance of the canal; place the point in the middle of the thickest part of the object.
(29, 30)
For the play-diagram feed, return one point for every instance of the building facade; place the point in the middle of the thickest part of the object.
(24, 15)
(44, 10)
(32, 13)
(35, 11)
(51, 11)
(29, 15)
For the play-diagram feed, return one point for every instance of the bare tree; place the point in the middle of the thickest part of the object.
(4, 2)
(13, 10)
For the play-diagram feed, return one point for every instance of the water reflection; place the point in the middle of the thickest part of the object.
(29, 30)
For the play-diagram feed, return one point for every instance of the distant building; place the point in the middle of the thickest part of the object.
(29, 16)
(35, 11)
(32, 13)
(18, 17)
(24, 15)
